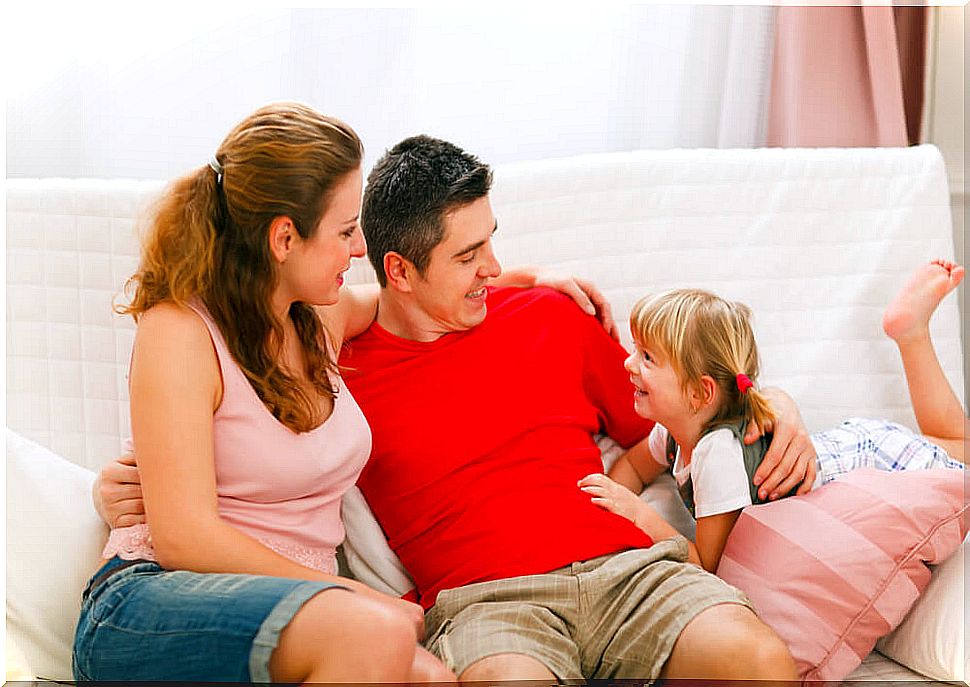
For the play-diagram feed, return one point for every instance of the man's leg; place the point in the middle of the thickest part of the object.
(651, 614)
(500, 667)
(906, 321)
(729, 642)
(509, 629)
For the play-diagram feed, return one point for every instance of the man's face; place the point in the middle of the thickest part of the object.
(451, 293)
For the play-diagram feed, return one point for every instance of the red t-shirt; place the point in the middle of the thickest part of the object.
(480, 437)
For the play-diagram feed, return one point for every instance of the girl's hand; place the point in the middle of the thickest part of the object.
(614, 497)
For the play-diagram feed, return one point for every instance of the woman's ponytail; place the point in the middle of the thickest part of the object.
(178, 254)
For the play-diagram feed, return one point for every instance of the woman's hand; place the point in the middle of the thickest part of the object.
(791, 459)
(584, 292)
(117, 493)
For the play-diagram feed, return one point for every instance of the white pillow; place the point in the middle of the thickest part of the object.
(54, 541)
(932, 638)
(369, 558)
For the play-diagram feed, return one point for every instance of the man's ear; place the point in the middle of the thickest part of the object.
(282, 237)
(399, 270)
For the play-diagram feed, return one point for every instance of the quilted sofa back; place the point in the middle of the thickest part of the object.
(815, 241)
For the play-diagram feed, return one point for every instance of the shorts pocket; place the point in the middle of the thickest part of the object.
(438, 644)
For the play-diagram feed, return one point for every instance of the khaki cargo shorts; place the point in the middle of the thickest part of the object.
(616, 616)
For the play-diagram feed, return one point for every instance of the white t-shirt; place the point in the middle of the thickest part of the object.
(716, 470)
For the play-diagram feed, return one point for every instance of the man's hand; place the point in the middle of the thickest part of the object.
(587, 297)
(791, 459)
(117, 493)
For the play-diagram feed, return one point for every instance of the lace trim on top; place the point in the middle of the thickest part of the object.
(129, 543)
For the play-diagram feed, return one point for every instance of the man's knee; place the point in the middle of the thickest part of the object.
(506, 667)
(728, 641)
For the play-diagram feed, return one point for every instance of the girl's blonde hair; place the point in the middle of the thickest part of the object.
(208, 238)
(700, 333)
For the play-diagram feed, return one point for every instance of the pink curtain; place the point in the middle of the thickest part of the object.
(847, 76)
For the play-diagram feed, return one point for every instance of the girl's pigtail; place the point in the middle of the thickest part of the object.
(758, 408)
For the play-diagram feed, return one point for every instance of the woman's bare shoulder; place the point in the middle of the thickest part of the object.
(175, 331)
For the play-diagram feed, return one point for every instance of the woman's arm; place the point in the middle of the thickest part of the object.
(584, 292)
(356, 309)
(175, 388)
(352, 314)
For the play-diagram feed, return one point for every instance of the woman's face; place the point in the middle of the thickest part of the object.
(313, 271)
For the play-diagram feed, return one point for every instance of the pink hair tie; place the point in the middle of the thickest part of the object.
(743, 383)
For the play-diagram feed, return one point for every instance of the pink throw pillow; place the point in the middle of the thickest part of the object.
(833, 571)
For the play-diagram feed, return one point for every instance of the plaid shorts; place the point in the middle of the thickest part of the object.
(616, 616)
(864, 443)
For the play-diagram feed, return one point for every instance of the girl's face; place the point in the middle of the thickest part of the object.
(658, 392)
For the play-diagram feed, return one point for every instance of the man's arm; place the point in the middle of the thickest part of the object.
(117, 493)
(791, 459)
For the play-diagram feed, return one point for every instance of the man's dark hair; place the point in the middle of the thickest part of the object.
(410, 190)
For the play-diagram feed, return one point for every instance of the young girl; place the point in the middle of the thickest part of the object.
(695, 368)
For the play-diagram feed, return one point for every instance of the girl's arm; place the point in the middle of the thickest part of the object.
(636, 468)
(617, 499)
(712, 534)
(175, 388)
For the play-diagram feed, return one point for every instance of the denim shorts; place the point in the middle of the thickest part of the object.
(147, 623)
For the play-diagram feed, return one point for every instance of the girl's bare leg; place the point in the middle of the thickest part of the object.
(906, 321)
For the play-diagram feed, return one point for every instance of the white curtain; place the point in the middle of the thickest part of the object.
(149, 94)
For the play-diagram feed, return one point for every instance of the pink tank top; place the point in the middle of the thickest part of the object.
(281, 488)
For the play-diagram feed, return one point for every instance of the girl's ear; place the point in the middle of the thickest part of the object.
(707, 391)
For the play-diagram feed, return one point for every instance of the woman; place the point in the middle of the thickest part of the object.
(246, 438)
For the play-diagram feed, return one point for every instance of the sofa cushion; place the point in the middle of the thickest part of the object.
(932, 638)
(54, 540)
(838, 568)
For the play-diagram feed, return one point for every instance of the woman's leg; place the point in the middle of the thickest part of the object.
(342, 636)
(906, 321)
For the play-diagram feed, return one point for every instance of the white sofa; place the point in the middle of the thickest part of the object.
(815, 241)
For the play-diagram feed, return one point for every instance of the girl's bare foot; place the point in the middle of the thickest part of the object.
(908, 315)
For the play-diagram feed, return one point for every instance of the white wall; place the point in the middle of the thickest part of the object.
(150, 93)
(946, 127)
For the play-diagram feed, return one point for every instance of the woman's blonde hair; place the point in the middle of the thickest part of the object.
(209, 238)
(700, 333)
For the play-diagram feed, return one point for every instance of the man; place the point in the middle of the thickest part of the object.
(483, 403)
